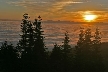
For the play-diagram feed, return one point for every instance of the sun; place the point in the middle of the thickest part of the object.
(88, 16)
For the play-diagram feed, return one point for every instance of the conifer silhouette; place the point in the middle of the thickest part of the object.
(39, 50)
(87, 52)
(8, 57)
(67, 54)
(31, 54)
(97, 60)
(26, 43)
(56, 59)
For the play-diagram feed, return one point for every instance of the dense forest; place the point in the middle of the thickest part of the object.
(31, 54)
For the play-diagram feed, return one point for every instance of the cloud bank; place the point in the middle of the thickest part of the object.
(59, 9)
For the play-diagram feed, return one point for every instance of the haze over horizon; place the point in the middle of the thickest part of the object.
(70, 10)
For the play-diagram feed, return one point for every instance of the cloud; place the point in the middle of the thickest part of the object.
(47, 4)
(60, 9)
(48, 8)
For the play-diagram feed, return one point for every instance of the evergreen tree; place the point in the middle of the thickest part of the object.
(26, 43)
(61, 59)
(8, 57)
(39, 46)
(97, 60)
(67, 54)
(66, 47)
(83, 51)
(31, 46)
(88, 58)
(39, 50)
(56, 59)
(78, 51)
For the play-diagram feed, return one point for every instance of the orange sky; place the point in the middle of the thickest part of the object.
(72, 10)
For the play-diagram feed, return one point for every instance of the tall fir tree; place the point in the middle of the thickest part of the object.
(67, 54)
(39, 49)
(56, 59)
(83, 50)
(39, 46)
(78, 47)
(88, 58)
(31, 46)
(61, 58)
(66, 47)
(97, 60)
(26, 43)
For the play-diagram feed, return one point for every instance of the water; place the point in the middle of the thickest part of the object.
(54, 33)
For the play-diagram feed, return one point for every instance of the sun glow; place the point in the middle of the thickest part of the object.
(88, 16)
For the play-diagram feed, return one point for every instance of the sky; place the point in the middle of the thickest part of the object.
(70, 10)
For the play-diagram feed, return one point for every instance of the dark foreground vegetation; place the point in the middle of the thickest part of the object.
(31, 54)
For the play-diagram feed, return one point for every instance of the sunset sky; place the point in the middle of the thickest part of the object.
(71, 10)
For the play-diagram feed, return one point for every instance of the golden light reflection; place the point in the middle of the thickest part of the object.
(89, 16)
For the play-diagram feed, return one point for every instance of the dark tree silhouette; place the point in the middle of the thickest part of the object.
(31, 46)
(67, 55)
(56, 59)
(30, 54)
(87, 55)
(97, 60)
(84, 52)
(61, 58)
(39, 50)
(79, 54)
(26, 43)
(8, 58)
(39, 46)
